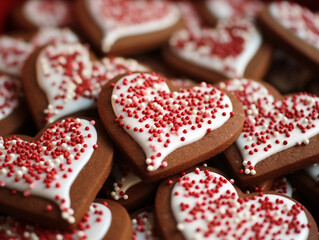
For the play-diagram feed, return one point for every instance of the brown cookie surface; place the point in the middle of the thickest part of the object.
(214, 139)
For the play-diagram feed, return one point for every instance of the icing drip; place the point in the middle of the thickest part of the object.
(72, 81)
(46, 13)
(225, 9)
(48, 166)
(10, 92)
(94, 225)
(143, 226)
(299, 20)
(271, 125)
(161, 121)
(226, 49)
(207, 206)
(125, 18)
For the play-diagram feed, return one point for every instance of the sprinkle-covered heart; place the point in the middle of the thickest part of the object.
(227, 49)
(72, 81)
(48, 166)
(205, 204)
(161, 121)
(124, 18)
(272, 125)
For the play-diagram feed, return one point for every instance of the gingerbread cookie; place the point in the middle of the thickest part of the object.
(51, 179)
(62, 79)
(14, 50)
(215, 10)
(100, 222)
(202, 203)
(125, 187)
(143, 225)
(34, 14)
(233, 49)
(282, 185)
(280, 133)
(294, 28)
(124, 27)
(12, 112)
(162, 131)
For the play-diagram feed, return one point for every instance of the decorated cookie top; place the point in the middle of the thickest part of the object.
(191, 17)
(313, 172)
(144, 226)
(225, 9)
(14, 51)
(207, 206)
(94, 225)
(227, 49)
(298, 19)
(48, 166)
(125, 179)
(272, 125)
(124, 18)
(10, 93)
(282, 185)
(72, 81)
(161, 121)
(46, 13)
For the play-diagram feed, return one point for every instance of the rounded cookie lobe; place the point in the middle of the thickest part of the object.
(166, 126)
(202, 203)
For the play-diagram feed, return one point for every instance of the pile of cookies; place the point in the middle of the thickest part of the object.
(153, 119)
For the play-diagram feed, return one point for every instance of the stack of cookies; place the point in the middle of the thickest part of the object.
(157, 119)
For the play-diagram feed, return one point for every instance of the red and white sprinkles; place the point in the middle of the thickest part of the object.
(298, 19)
(94, 225)
(227, 49)
(124, 18)
(46, 13)
(225, 9)
(271, 125)
(281, 185)
(207, 206)
(47, 167)
(72, 81)
(125, 179)
(143, 226)
(15, 51)
(161, 121)
(10, 93)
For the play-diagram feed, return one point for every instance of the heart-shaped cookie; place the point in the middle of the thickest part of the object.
(15, 50)
(125, 27)
(280, 134)
(35, 14)
(203, 204)
(214, 10)
(100, 222)
(163, 131)
(233, 49)
(293, 27)
(12, 111)
(65, 78)
(52, 178)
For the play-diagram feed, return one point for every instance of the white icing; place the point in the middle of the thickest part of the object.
(154, 147)
(214, 40)
(225, 9)
(108, 14)
(143, 226)
(46, 13)
(313, 172)
(13, 53)
(54, 82)
(14, 229)
(53, 35)
(126, 181)
(297, 19)
(255, 93)
(9, 95)
(38, 187)
(215, 202)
